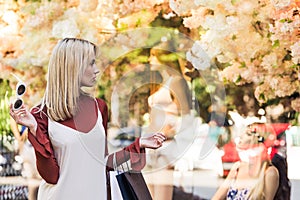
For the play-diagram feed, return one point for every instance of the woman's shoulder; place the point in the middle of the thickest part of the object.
(271, 175)
(272, 171)
(236, 165)
(177, 80)
(234, 170)
(101, 101)
(102, 104)
(39, 111)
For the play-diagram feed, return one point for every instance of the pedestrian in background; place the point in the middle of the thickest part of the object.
(26, 151)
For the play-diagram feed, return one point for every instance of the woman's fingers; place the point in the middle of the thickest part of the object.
(18, 115)
(160, 138)
(153, 141)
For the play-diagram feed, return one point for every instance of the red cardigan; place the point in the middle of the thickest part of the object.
(45, 159)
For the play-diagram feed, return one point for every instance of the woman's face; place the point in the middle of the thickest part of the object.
(89, 76)
(246, 139)
(154, 62)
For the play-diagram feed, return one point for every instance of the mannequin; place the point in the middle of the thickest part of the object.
(170, 106)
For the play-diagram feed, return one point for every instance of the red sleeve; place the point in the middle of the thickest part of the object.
(45, 159)
(104, 112)
(136, 154)
(133, 152)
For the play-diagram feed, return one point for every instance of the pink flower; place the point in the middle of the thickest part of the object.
(296, 52)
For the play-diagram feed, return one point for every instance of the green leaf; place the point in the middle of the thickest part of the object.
(234, 2)
(276, 44)
(168, 57)
(295, 66)
(243, 65)
(286, 20)
(239, 78)
(262, 96)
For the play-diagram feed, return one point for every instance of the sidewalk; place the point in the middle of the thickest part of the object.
(295, 192)
(293, 153)
(203, 183)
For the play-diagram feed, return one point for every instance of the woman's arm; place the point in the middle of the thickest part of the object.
(46, 162)
(132, 152)
(223, 189)
(271, 183)
(37, 123)
(136, 151)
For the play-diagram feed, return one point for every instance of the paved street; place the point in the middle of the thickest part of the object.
(293, 170)
(295, 189)
(203, 183)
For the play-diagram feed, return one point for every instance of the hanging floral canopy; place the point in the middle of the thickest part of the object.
(249, 41)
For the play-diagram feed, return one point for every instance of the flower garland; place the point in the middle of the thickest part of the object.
(251, 41)
(254, 41)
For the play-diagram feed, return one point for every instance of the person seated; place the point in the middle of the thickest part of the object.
(253, 177)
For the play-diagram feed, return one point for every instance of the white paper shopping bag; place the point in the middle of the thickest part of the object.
(114, 186)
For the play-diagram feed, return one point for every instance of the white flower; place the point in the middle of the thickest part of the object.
(296, 52)
(10, 17)
(232, 20)
(181, 6)
(88, 5)
(279, 4)
(223, 59)
(269, 61)
(286, 27)
(196, 19)
(11, 26)
(212, 48)
(198, 57)
(65, 28)
(246, 7)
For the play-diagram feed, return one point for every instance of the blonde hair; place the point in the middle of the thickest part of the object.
(257, 192)
(262, 131)
(168, 58)
(68, 61)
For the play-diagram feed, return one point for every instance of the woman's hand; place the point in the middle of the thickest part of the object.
(23, 117)
(153, 141)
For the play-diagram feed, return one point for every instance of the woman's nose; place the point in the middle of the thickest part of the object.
(96, 70)
(152, 60)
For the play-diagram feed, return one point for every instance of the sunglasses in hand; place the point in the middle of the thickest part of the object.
(20, 91)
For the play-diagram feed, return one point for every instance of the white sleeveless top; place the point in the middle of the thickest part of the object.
(80, 157)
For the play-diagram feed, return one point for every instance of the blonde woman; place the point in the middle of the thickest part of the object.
(253, 177)
(68, 129)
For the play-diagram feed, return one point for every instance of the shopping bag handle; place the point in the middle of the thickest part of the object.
(115, 166)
